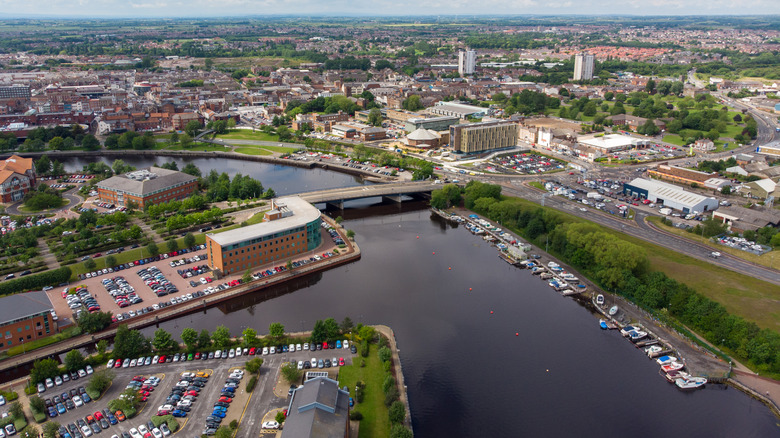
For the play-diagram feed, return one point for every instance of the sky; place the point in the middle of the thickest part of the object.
(221, 8)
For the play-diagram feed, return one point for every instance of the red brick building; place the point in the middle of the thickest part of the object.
(25, 318)
(147, 186)
(17, 177)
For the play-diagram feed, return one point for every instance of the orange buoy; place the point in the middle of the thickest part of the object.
(434, 253)
(517, 334)
(450, 268)
(418, 237)
(469, 289)
(491, 312)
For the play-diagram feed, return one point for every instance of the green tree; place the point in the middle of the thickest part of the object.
(224, 432)
(250, 336)
(94, 322)
(253, 365)
(172, 245)
(189, 240)
(101, 346)
(204, 339)
(163, 341)
(397, 412)
(280, 417)
(43, 165)
(111, 261)
(412, 103)
(90, 143)
(192, 128)
(74, 361)
(276, 330)
(100, 381)
(56, 143)
(185, 140)
(174, 138)
(375, 117)
(191, 169)
(50, 429)
(130, 343)
(29, 432)
(385, 354)
(221, 337)
(37, 404)
(152, 249)
(291, 372)
(190, 338)
(284, 133)
(247, 277)
(400, 431)
(208, 64)
(16, 411)
(346, 324)
(90, 264)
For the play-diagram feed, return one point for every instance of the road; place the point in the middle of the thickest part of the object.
(642, 230)
(70, 195)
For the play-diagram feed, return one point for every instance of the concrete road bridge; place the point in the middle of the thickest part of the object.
(394, 192)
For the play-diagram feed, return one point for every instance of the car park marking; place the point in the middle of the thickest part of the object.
(241, 418)
(265, 418)
(181, 426)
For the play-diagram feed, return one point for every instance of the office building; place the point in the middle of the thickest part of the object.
(439, 123)
(484, 136)
(25, 318)
(17, 177)
(467, 62)
(457, 109)
(153, 185)
(583, 67)
(318, 409)
(15, 91)
(291, 227)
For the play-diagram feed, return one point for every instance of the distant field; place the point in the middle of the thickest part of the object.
(674, 139)
(253, 151)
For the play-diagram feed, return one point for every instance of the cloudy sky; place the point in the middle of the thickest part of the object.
(178, 8)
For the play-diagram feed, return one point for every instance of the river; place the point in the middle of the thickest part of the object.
(468, 373)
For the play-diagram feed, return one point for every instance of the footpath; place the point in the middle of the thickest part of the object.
(398, 371)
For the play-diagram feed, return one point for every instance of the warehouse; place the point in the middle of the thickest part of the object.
(669, 195)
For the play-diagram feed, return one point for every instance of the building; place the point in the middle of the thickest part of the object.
(181, 120)
(483, 136)
(291, 227)
(583, 67)
(343, 131)
(17, 177)
(610, 143)
(25, 317)
(423, 138)
(15, 91)
(703, 145)
(318, 409)
(769, 149)
(459, 110)
(467, 62)
(680, 174)
(741, 219)
(669, 195)
(634, 122)
(440, 123)
(147, 186)
(762, 189)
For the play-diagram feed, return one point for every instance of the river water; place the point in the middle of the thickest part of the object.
(537, 366)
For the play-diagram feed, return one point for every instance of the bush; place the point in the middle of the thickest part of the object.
(397, 412)
(384, 353)
(355, 416)
(10, 395)
(386, 366)
(280, 417)
(364, 348)
(234, 424)
(169, 420)
(36, 281)
(359, 394)
(388, 383)
(391, 396)
(253, 366)
(250, 385)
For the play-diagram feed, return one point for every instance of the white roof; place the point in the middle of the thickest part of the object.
(668, 191)
(766, 185)
(422, 134)
(303, 213)
(609, 141)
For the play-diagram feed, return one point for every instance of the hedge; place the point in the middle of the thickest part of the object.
(170, 420)
(36, 281)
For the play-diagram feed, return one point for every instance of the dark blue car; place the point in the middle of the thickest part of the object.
(179, 413)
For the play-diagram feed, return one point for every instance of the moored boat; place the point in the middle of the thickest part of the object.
(653, 349)
(603, 324)
(671, 376)
(636, 335)
(674, 366)
(546, 276)
(600, 300)
(663, 360)
(613, 310)
(629, 328)
(690, 382)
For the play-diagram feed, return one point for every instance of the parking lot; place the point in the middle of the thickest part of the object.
(248, 409)
(185, 291)
(520, 164)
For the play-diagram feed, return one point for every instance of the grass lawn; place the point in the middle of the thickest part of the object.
(26, 209)
(253, 151)
(674, 139)
(42, 342)
(246, 134)
(536, 184)
(375, 422)
(129, 256)
(201, 147)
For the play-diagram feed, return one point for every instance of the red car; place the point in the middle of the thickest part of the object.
(251, 351)
(224, 399)
(341, 361)
(147, 388)
(98, 416)
(162, 359)
(192, 393)
(324, 345)
(138, 378)
(197, 356)
(118, 363)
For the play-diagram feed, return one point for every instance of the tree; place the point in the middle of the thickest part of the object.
(101, 346)
(291, 372)
(375, 117)
(221, 337)
(172, 245)
(284, 133)
(192, 128)
(253, 365)
(100, 381)
(50, 429)
(163, 341)
(209, 64)
(190, 338)
(397, 412)
(247, 277)
(43, 165)
(111, 261)
(350, 234)
(191, 169)
(346, 324)
(725, 190)
(276, 330)
(650, 87)
(74, 361)
(90, 264)
(29, 432)
(174, 138)
(224, 432)
(56, 143)
(94, 322)
(385, 354)
(189, 240)
(400, 431)
(16, 411)
(250, 336)
(37, 404)
(609, 95)
(152, 249)
(129, 343)
(412, 103)
(204, 339)
(185, 140)
(649, 128)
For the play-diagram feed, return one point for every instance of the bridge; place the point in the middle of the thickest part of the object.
(394, 192)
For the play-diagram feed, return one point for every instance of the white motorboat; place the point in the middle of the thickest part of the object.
(663, 360)
(600, 300)
(653, 349)
(613, 310)
(674, 366)
(690, 382)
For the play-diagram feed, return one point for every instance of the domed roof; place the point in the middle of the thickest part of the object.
(421, 134)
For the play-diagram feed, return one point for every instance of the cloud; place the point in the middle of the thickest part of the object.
(158, 5)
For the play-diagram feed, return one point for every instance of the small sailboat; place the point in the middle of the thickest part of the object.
(603, 324)
(613, 310)
(690, 382)
(674, 366)
(600, 300)
(663, 360)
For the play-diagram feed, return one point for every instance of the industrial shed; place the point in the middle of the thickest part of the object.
(669, 195)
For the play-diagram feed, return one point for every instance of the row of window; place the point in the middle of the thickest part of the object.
(265, 245)
(264, 238)
(255, 263)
